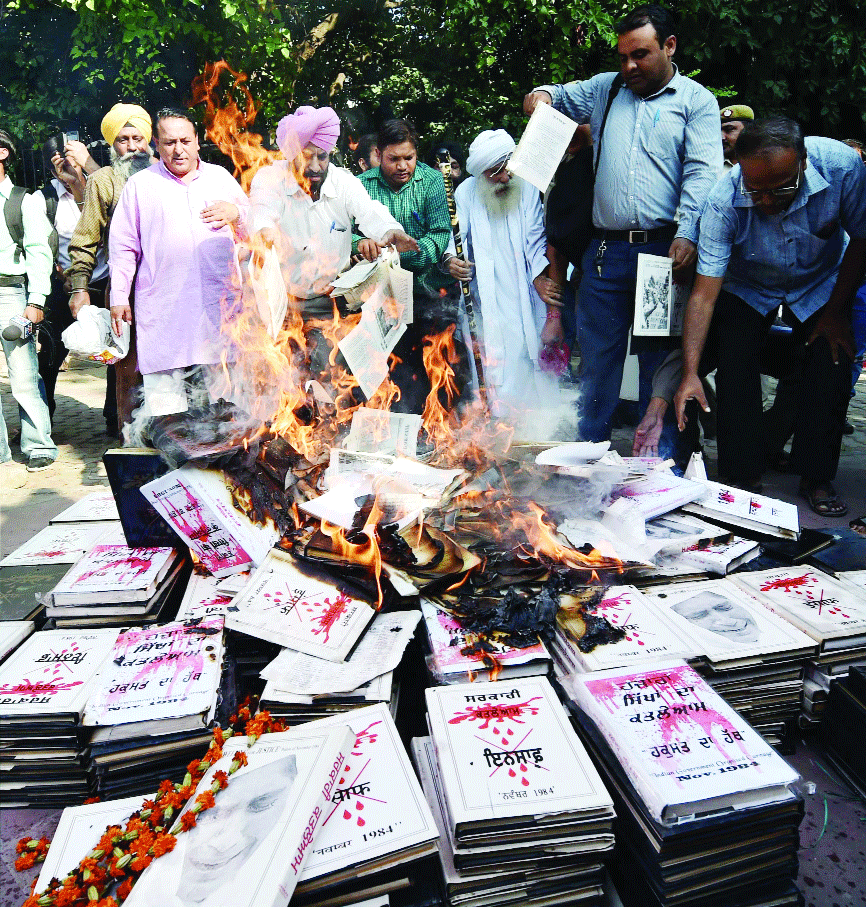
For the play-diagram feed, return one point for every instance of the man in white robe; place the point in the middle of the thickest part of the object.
(517, 305)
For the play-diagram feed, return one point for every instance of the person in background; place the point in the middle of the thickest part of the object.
(62, 199)
(128, 129)
(367, 154)
(456, 157)
(516, 301)
(26, 261)
(734, 117)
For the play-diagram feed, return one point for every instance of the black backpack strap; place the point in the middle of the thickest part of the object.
(49, 193)
(614, 90)
(14, 219)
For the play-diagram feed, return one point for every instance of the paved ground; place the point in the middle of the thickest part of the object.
(79, 431)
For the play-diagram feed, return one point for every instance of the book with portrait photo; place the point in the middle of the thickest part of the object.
(726, 625)
(250, 849)
(659, 302)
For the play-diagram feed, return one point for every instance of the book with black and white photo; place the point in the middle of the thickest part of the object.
(511, 763)
(275, 805)
(685, 750)
(298, 606)
(660, 302)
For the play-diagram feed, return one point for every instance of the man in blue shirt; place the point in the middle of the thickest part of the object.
(786, 227)
(657, 160)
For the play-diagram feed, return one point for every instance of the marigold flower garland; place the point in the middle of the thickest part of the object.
(105, 877)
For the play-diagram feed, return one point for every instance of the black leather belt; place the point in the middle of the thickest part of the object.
(637, 237)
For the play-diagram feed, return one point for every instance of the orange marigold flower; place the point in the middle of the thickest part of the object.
(205, 800)
(141, 862)
(166, 787)
(187, 821)
(222, 779)
(124, 889)
(92, 800)
(218, 736)
(21, 846)
(25, 861)
(164, 844)
(240, 757)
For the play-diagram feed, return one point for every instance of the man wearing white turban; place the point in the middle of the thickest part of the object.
(305, 206)
(502, 227)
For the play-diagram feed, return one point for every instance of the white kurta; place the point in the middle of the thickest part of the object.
(509, 253)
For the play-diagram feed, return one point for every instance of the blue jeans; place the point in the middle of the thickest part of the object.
(605, 311)
(25, 383)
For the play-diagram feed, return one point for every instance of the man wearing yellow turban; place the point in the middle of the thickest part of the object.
(128, 129)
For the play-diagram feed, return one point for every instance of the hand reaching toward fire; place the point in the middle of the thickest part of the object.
(402, 241)
(649, 431)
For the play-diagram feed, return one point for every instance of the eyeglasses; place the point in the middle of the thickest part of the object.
(493, 173)
(781, 192)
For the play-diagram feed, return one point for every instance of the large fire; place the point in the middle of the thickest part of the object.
(271, 380)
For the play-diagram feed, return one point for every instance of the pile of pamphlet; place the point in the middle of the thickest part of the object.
(831, 612)
(153, 705)
(455, 657)
(522, 812)
(44, 689)
(706, 810)
(301, 687)
(113, 585)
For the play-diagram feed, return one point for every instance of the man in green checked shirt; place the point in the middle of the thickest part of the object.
(415, 195)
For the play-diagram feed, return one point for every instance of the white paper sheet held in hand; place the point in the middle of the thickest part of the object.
(380, 650)
(270, 292)
(542, 145)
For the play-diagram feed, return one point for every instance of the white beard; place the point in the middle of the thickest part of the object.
(499, 200)
(129, 164)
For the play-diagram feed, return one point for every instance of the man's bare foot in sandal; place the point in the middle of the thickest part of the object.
(823, 498)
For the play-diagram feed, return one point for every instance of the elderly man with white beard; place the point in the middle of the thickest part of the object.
(127, 128)
(502, 226)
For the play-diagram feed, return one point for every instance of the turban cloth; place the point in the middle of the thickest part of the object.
(491, 147)
(120, 115)
(305, 125)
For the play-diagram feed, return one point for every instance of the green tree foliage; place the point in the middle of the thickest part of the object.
(454, 66)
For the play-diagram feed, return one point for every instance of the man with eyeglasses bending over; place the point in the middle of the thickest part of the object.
(786, 227)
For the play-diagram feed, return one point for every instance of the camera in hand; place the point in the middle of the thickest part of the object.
(19, 328)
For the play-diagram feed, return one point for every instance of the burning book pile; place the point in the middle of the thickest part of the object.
(520, 808)
(706, 811)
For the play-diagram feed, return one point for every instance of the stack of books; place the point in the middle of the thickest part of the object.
(830, 611)
(113, 585)
(455, 657)
(523, 813)
(751, 657)
(12, 634)
(298, 708)
(844, 727)
(706, 811)
(377, 826)
(44, 688)
(153, 704)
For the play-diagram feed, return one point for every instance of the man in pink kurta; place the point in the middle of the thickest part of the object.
(173, 234)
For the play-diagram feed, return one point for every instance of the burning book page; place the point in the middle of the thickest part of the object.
(269, 290)
(379, 652)
(428, 481)
(382, 432)
(366, 347)
(198, 505)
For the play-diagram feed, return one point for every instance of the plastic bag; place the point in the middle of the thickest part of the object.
(91, 337)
